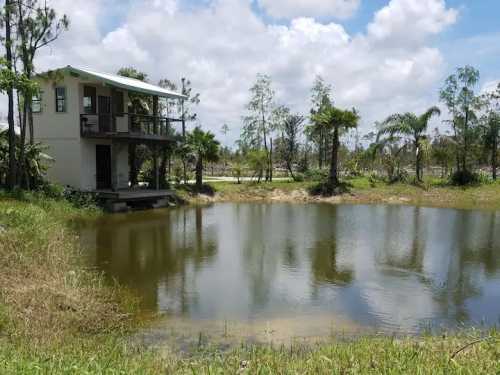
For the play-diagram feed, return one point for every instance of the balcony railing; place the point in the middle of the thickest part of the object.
(125, 124)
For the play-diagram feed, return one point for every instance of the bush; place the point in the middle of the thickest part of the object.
(374, 178)
(316, 175)
(52, 191)
(326, 189)
(462, 178)
(484, 178)
(81, 199)
(299, 177)
(206, 189)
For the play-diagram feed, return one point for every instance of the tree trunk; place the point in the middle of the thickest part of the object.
(466, 139)
(333, 166)
(494, 158)
(22, 178)
(418, 161)
(289, 167)
(12, 174)
(271, 160)
(320, 150)
(199, 173)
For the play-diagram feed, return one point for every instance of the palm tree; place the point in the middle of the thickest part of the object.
(205, 147)
(335, 119)
(411, 125)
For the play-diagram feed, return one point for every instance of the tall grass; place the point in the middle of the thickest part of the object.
(56, 316)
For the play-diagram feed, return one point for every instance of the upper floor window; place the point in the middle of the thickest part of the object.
(118, 103)
(89, 100)
(60, 99)
(36, 103)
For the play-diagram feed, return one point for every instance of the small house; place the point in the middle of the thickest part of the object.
(88, 122)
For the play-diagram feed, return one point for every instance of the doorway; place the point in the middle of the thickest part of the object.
(104, 103)
(103, 166)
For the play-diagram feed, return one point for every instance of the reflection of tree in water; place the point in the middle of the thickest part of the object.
(487, 252)
(146, 250)
(260, 252)
(467, 255)
(324, 264)
(394, 256)
(290, 258)
(324, 251)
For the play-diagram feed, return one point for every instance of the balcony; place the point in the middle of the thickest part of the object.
(127, 126)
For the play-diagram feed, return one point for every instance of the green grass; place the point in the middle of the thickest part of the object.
(58, 318)
(370, 355)
(433, 192)
(55, 316)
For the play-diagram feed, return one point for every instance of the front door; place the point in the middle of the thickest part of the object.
(103, 166)
(104, 103)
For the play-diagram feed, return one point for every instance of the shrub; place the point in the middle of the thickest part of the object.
(462, 178)
(324, 188)
(52, 191)
(316, 175)
(81, 199)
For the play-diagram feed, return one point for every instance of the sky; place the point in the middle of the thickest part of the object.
(380, 56)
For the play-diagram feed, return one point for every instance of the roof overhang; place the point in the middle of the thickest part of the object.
(125, 83)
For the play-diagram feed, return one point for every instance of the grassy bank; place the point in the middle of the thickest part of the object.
(433, 193)
(56, 317)
(371, 355)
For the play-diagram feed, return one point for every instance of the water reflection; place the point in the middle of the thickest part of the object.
(390, 267)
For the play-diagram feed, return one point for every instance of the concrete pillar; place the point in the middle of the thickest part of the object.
(114, 165)
(156, 120)
(155, 167)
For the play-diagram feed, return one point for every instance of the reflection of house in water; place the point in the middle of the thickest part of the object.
(155, 252)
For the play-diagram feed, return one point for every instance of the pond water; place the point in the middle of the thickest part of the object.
(305, 268)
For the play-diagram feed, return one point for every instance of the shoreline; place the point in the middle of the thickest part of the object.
(484, 197)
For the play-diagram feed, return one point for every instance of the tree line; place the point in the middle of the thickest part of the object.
(272, 135)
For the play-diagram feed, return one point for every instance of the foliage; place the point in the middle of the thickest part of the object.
(261, 119)
(459, 96)
(464, 177)
(337, 120)
(414, 127)
(292, 125)
(490, 127)
(316, 174)
(204, 147)
(35, 161)
(237, 171)
(257, 162)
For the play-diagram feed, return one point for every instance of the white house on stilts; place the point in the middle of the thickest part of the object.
(87, 121)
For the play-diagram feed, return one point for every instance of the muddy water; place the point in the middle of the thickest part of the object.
(274, 271)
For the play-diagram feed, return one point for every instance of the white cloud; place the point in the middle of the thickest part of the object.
(221, 47)
(409, 22)
(490, 86)
(310, 8)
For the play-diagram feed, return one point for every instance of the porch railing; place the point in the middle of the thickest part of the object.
(136, 124)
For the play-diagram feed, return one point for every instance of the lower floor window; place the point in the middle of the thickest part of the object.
(36, 104)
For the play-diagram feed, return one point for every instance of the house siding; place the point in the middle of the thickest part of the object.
(60, 132)
(75, 163)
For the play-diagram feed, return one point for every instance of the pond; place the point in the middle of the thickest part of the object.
(305, 269)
